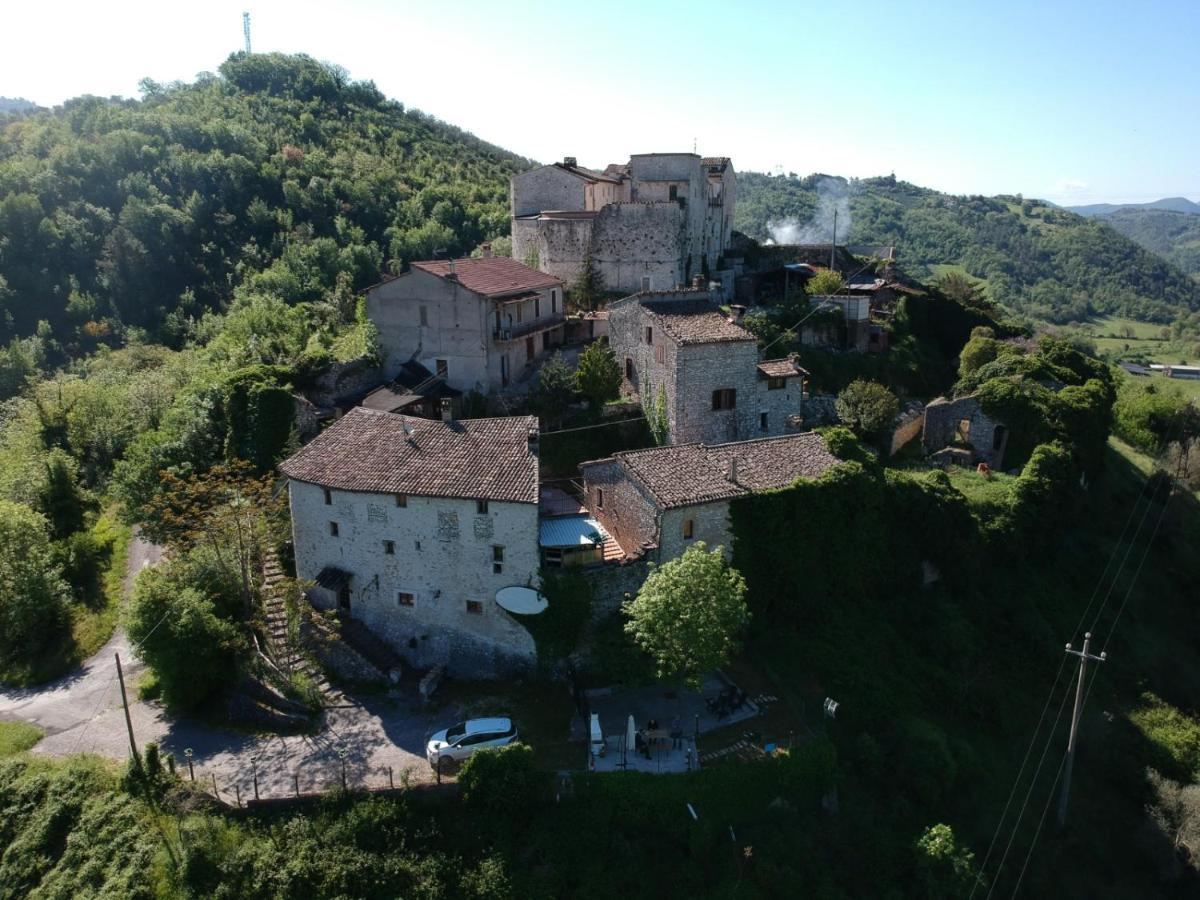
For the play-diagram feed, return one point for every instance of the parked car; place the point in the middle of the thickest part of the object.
(449, 748)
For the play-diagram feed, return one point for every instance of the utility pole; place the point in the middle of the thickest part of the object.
(246, 30)
(1084, 656)
(833, 246)
(133, 753)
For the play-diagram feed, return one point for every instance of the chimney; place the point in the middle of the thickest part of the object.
(452, 275)
(533, 440)
(570, 161)
(731, 475)
(739, 311)
(487, 249)
(447, 409)
(698, 282)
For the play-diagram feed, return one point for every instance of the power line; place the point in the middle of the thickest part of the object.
(589, 427)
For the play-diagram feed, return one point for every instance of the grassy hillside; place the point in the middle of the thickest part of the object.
(1037, 259)
(277, 176)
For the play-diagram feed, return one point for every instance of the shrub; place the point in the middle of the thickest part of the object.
(504, 783)
(33, 594)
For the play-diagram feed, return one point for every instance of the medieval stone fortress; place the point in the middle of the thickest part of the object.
(423, 523)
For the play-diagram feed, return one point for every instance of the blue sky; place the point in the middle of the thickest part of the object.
(1072, 101)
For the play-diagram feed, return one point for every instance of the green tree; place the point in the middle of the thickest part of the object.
(868, 408)
(825, 282)
(33, 595)
(60, 498)
(598, 375)
(964, 290)
(588, 288)
(946, 868)
(554, 391)
(192, 650)
(689, 613)
(504, 782)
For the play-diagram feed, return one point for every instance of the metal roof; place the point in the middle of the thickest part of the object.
(571, 531)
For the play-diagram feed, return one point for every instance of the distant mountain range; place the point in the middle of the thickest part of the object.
(1170, 204)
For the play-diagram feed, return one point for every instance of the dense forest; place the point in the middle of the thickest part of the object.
(280, 177)
(1036, 259)
(1175, 236)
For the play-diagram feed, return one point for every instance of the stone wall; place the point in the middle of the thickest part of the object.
(909, 424)
(346, 380)
(710, 523)
(820, 410)
(624, 510)
(547, 187)
(963, 421)
(610, 583)
(443, 557)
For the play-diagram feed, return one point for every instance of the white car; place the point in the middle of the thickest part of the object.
(450, 747)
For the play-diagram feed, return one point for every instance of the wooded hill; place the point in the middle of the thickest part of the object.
(1037, 259)
(1175, 236)
(279, 176)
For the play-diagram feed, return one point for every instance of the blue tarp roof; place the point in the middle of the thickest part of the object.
(570, 531)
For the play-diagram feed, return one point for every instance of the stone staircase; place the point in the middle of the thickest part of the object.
(282, 648)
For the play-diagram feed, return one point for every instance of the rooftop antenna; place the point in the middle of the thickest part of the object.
(246, 30)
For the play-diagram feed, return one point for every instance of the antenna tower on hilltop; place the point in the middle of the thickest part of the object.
(246, 30)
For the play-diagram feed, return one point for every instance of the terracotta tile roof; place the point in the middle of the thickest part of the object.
(780, 368)
(491, 276)
(721, 161)
(693, 321)
(687, 474)
(589, 174)
(371, 451)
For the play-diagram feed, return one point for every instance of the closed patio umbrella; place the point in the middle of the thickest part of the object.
(630, 735)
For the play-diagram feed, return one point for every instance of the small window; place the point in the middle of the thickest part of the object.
(689, 529)
(660, 353)
(520, 308)
(629, 368)
(599, 498)
(404, 598)
(763, 423)
(673, 192)
(645, 282)
(481, 507)
(724, 398)
(776, 384)
(497, 554)
(389, 548)
(962, 431)
(402, 499)
(328, 497)
(424, 316)
(418, 544)
(475, 607)
(333, 529)
(554, 300)
(537, 307)
(442, 367)
(649, 335)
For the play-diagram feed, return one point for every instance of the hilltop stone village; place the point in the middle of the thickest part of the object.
(419, 505)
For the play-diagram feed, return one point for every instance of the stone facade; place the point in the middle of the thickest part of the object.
(651, 224)
(688, 372)
(910, 422)
(442, 559)
(481, 340)
(963, 422)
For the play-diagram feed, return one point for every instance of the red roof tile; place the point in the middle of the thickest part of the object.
(491, 276)
(381, 452)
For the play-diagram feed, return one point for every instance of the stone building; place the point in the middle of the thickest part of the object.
(413, 525)
(678, 347)
(655, 503)
(962, 425)
(476, 323)
(649, 224)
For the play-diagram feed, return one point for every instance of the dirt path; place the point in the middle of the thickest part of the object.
(81, 713)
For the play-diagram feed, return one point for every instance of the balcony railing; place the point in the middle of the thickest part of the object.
(524, 329)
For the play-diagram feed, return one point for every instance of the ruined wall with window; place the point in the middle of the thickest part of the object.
(618, 504)
(963, 423)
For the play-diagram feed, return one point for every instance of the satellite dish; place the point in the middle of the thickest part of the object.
(521, 600)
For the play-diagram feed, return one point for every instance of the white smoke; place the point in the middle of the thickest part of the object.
(833, 196)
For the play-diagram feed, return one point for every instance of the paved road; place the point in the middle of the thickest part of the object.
(81, 713)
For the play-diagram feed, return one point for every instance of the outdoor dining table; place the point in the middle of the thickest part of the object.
(658, 737)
